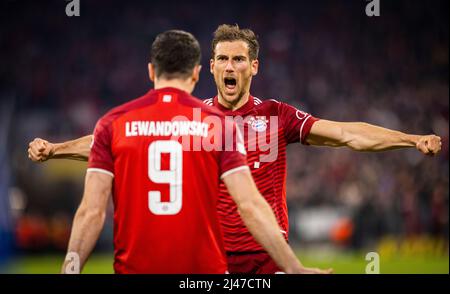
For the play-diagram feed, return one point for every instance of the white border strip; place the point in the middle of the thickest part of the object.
(303, 124)
(208, 101)
(100, 170)
(233, 170)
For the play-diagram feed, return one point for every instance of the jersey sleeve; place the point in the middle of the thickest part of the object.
(296, 123)
(233, 156)
(100, 157)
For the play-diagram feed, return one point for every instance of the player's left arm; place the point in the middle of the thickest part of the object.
(89, 220)
(361, 136)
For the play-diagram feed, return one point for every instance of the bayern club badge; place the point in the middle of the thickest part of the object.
(258, 123)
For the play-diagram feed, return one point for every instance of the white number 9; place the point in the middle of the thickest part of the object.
(173, 176)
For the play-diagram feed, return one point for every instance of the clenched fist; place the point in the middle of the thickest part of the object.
(40, 150)
(430, 144)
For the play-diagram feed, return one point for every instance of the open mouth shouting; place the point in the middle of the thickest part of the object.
(230, 84)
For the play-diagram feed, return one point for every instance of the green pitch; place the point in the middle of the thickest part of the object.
(353, 263)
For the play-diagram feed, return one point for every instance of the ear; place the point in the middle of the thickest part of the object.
(255, 66)
(196, 73)
(151, 72)
(211, 65)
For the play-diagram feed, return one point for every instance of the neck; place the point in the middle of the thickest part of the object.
(234, 105)
(184, 85)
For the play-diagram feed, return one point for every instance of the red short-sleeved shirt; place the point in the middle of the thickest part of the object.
(268, 126)
(165, 194)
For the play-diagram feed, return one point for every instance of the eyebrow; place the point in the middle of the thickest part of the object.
(240, 56)
(234, 57)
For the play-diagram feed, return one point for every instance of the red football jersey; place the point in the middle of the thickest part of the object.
(268, 126)
(165, 195)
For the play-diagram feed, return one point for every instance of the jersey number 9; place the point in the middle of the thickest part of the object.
(173, 177)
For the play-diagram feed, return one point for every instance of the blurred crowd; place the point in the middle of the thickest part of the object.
(59, 74)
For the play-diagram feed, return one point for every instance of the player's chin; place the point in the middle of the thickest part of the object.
(230, 97)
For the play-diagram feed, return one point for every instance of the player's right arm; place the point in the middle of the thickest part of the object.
(261, 222)
(41, 150)
(89, 219)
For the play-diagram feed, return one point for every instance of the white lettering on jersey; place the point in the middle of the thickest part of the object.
(166, 128)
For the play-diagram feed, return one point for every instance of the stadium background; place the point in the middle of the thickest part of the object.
(59, 74)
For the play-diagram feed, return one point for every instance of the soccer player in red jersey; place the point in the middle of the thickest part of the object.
(234, 62)
(276, 124)
(164, 187)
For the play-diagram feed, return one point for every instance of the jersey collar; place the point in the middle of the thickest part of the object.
(177, 93)
(242, 110)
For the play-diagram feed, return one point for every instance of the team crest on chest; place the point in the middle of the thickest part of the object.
(258, 123)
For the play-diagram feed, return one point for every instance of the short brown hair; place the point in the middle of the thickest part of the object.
(174, 54)
(231, 33)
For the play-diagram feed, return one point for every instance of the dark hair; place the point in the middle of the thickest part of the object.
(174, 54)
(230, 33)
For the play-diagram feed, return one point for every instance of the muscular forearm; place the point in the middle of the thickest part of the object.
(261, 222)
(361, 136)
(366, 137)
(78, 149)
(85, 232)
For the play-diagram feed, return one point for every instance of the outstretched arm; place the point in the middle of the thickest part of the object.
(88, 221)
(261, 222)
(78, 149)
(361, 136)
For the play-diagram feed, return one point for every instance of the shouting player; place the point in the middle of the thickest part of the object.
(234, 62)
(165, 193)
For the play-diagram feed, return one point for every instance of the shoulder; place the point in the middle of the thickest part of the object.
(283, 107)
(206, 106)
(266, 102)
(273, 103)
(209, 101)
(267, 106)
(209, 106)
(120, 110)
(279, 108)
